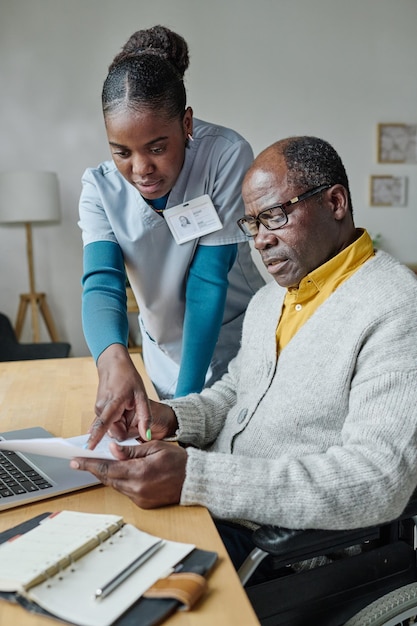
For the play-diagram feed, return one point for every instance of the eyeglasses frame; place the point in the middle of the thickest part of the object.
(300, 198)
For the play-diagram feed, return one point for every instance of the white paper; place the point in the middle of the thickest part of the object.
(65, 448)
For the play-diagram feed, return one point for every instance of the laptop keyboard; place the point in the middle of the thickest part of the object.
(17, 476)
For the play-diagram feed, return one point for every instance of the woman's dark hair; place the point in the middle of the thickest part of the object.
(312, 162)
(148, 73)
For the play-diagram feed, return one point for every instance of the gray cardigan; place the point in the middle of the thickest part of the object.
(325, 436)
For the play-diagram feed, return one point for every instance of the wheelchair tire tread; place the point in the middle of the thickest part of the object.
(392, 609)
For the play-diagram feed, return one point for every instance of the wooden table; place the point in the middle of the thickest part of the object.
(59, 395)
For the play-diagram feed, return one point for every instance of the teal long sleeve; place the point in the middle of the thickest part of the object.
(104, 315)
(206, 292)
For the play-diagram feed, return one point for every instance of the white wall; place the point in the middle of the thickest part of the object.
(269, 69)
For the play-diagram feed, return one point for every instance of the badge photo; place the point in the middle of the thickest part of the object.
(192, 219)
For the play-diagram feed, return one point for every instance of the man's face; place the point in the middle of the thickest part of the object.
(311, 235)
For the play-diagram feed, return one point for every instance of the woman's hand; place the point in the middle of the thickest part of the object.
(122, 403)
(122, 406)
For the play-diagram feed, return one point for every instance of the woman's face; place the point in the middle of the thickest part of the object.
(148, 149)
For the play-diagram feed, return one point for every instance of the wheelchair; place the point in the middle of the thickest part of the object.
(362, 577)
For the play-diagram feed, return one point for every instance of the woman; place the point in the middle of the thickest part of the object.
(191, 295)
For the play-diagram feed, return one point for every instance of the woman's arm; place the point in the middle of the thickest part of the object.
(104, 312)
(122, 405)
(205, 299)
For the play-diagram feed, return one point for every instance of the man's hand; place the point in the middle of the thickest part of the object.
(164, 421)
(151, 475)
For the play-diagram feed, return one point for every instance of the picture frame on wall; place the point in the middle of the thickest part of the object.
(397, 143)
(388, 191)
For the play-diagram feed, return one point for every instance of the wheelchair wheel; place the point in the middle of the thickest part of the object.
(397, 608)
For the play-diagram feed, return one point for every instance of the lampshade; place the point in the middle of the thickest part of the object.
(29, 196)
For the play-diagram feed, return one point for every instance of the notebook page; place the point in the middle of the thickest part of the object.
(70, 595)
(54, 544)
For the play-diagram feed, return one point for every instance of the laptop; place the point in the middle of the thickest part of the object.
(26, 478)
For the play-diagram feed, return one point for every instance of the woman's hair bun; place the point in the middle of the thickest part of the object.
(158, 40)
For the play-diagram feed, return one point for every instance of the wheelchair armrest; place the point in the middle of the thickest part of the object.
(297, 545)
(292, 546)
(289, 546)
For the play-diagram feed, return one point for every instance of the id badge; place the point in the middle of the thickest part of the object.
(192, 219)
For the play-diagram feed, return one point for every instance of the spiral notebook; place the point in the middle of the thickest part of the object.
(60, 564)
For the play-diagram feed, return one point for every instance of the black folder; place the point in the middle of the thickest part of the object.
(146, 611)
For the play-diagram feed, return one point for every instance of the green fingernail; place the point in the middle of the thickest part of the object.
(148, 434)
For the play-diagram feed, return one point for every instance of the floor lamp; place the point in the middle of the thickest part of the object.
(28, 197)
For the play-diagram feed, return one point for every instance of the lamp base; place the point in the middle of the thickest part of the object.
(38, 304)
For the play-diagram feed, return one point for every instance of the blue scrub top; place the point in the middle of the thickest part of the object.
(111, 209)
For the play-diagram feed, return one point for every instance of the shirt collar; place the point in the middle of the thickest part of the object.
(333, 271)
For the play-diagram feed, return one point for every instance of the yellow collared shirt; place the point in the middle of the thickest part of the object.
(301, 302)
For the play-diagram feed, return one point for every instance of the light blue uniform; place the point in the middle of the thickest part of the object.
(112, 210)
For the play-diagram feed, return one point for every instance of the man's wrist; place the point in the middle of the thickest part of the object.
(173, 425)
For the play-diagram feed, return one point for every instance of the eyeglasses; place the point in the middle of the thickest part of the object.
(276, 216)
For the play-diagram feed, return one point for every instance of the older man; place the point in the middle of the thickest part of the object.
(315, 423)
